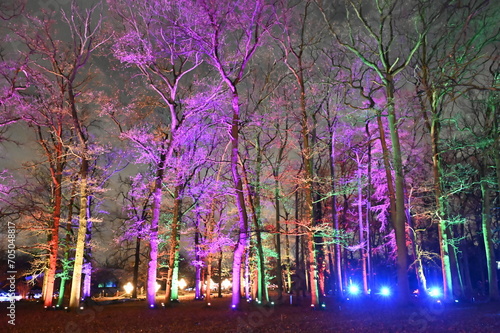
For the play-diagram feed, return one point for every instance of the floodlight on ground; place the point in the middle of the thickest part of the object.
(435, 292)
(385, 291)
(353, 289)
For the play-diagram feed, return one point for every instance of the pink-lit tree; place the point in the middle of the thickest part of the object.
(229, 33)
(150, 40)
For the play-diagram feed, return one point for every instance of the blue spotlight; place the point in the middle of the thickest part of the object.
(385, 291)
(353, 289)
(435, 292)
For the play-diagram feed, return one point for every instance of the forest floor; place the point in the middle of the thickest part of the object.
(360, 315)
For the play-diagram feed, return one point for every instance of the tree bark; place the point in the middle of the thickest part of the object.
(489, 246)
(171, 291)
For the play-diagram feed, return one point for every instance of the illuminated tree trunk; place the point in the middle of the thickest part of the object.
(171, 292)
(56, 168)
(433, 125)
(400, 222)
(362, 251)
(308, 183)
(198, 266)
(76, 284)
(208, 279)
(68, 249)
(254, 204)
(153, 234)
(87, 263)
(219, 266)
(279, 274)
(137, 261)
(335, 220)
(489, 246)
(240, 200)
(297, 53)
(493, 120)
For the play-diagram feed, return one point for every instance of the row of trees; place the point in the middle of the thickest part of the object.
(299, 136)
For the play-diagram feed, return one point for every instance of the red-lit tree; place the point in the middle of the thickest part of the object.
(54, 70)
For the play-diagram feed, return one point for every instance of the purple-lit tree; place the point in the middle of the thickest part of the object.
(229, 33)
(137, 195)
(150, 40)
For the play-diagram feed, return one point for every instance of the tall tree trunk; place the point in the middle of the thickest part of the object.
(240, 201)
(137, 262)
(261, 291)
(54, 240)
(362, 252)
(76, 284)
(488, 242)
(208, 279)
(153, 234)
(279, 268)
(171, 291)
(87, 265)
(56, 161)
(400, 222)
(308, 188)
(338, 255)
(219, 270)
(443, 229)
(198, 266)
(68, 249)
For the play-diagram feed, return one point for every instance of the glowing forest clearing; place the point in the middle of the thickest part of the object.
(193, 316)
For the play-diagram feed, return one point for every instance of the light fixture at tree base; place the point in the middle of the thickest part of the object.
(385, 291)
(354, 289)
(435, 292)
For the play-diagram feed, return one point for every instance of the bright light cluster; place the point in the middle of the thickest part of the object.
(385, 291)
(353, 289)
(435, 292)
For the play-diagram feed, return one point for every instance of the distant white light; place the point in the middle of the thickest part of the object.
(226, 284)
(182, 284)
(128, 288)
